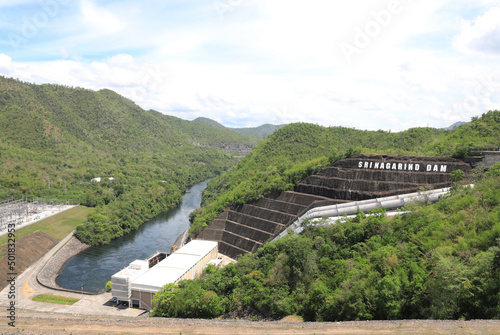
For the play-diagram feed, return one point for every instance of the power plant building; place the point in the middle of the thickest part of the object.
(138, 286)
(120, 281)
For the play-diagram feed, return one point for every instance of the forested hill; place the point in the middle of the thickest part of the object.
(439, 261)
(55, 139)
(261, 132)
(34, 116)
(435, 262)
(298, 150)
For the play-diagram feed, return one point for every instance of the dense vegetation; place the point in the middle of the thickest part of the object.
(55, 139)
(297, 150)
(440, 261)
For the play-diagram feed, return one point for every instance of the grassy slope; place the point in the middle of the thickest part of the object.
(55, 299)
(57, 226)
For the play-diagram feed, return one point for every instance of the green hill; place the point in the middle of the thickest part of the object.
(298, 150)
(208, 122)
(437, 261)
(440, 261)
(55, 139)
(260, 132)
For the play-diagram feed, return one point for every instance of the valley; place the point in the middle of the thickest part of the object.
(129, 165)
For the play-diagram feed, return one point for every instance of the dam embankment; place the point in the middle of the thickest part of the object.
(245, 228)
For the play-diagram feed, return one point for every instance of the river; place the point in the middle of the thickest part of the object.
(94, 267)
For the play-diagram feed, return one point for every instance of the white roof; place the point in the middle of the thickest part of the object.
(156, 278)
(197, 247)
(173, 267)
(134, 270)
(180, 261)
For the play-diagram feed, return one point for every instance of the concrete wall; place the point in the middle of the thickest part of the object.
(119, 288)
(214, 231)
(196, 270)
(275, 215)
(243, 229)
(144, 300)
(286, 207)
(364, 177)
(491, 158)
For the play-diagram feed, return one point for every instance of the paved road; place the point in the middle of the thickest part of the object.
(27, 286)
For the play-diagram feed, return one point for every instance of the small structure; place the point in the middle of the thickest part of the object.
(138, 286)
(156, 258)
(120, 281)
(491, 158)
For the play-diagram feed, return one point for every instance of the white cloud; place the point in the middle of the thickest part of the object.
(99, 19)
(482, 36)
(5, 64)
(275, 61)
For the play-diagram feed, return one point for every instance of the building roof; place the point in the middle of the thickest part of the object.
(197, 247)
(173, 267)
(134, 270)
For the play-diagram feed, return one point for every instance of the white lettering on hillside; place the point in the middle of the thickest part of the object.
(403, 166)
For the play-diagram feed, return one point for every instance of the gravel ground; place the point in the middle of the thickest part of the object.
(40, 323)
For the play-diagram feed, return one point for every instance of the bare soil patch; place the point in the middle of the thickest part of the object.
(28, 250)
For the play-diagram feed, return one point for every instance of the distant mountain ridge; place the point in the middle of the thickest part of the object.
(456, 124)
(260, 132)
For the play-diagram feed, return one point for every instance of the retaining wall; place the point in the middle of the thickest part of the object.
(243, 229)
(253, 222)
(277, 205)
(268, 214)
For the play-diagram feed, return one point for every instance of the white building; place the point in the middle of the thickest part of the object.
(139, 287)
(120, 281)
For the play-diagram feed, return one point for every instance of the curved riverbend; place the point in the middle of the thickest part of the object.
(93, 267)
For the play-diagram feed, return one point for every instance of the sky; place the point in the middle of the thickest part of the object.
(367, 64)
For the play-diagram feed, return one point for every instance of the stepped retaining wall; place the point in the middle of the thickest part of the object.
(268, 214)
(277, 205)
(245, 228)
(253, 222)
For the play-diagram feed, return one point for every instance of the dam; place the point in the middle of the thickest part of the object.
(245, 228)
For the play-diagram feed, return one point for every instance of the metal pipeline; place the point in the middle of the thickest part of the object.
(389, 203)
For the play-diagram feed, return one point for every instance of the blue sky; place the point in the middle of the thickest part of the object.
(369, 64)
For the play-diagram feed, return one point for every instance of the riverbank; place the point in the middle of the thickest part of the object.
(48, 274)
(93, 267)
(27, 286)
